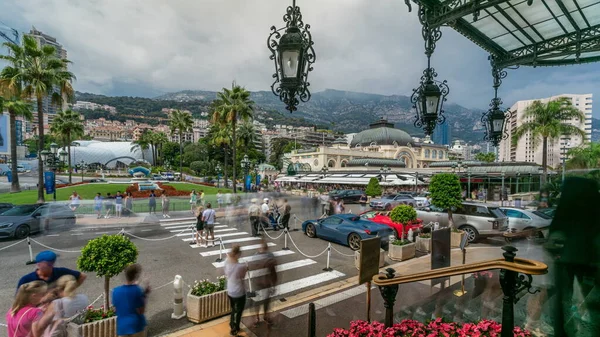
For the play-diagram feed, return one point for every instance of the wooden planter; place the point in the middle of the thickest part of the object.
(423, 244)
(357, 258)
(456, 238)
(401, 253)
(104, 328)
(204, 308)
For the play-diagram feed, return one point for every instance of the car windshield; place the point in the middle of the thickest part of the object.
(369, 215)
(20, 210)
(542, 215)
(389, 196)
(496, 212)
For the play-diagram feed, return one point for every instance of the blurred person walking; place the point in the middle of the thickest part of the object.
(208, 217)
(75, 201)
(287, 209)
(199, 228)
(165, 203)
(235, 273)
(47, 272)
(98, 205)
(574, 241)
(129, 301)
(254, 215)
(268, 282)
(108, 205)
(363, 202)
(128, 204)
(193, 200)
(25, 318)
(118, 204)
(69, 302)
(152, 203)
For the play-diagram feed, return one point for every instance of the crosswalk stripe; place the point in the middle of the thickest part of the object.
(324, 302)
(186, 226)
(243, 248)
(254, 258)
(176, 219)
(217, 231)
(291, 286)
(281, 267)
(225, 242)
(216, 236)
(182, 223)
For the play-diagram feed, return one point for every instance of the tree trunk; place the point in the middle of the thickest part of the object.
(544, 160)
(69, 159)
(450, 220)
(14, 186)
(225, 167)
(106, 293)
(234, 161)
(181, 156)
(40, 149)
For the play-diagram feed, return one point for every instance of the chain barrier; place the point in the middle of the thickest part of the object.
(14, 244)
(161, 239)
(55, 249)
(164, 285)
(309, 256)
(350, 255)
(270, 237)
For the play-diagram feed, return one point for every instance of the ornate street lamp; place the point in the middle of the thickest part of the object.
(218, 169)
(494, 119)
(293, 55)
(428, 99)
(54, 159)
(83, 166)
(246, 167)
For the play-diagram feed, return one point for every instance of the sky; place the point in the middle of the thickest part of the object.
(149, 47)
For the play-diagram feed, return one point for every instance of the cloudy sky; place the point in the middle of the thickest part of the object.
(148, 47)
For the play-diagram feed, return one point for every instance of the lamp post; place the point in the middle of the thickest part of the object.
(503, 175)
(54, 159)
(468, 183)
(293, 55)
(218, 169)
(541, 172)
(384, 171)
(246, 167)
(83, 166)
(324, 171)
(517, 189)
(494, 119)
(565, 148)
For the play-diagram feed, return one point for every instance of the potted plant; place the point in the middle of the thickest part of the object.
(423, 242)
(107, 256)
(404, 215)
(446, 194)
(456, 236)
(207, 300)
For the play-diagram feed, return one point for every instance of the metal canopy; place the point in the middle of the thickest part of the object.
(524, 32)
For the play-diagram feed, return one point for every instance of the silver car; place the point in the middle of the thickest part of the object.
(523, 219)
(475, 218)
(388, 202)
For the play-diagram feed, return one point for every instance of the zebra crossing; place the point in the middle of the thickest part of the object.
(288, 260)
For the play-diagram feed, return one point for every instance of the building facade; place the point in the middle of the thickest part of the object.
(529, 150)
(442, 134)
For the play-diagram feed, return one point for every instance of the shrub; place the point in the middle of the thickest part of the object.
(92, 315)
(425, 235)
(400, 242)
(107, 256)
(373, 189)
(205, 287)
(403, 214)
(446, 193)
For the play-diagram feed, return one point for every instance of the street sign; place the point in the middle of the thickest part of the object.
(248, 182)
(369, 259)
(49, 182)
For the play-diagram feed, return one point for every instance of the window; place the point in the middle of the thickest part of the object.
(332, 221)
(511, 213)
(427, 153)
(434, 154)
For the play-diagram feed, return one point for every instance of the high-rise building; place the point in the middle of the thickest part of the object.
(47, 40)
(528, 149)
(442, 134)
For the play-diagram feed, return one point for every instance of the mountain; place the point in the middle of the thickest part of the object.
(352, 111)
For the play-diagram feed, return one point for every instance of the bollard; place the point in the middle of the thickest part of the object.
(312, 320)
(178, 311)
(295, 224)
(193, 237)
(328, 255)
(221, 246)
(31, 260)
(285, 234)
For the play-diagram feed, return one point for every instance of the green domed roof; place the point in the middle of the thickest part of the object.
(381, 133)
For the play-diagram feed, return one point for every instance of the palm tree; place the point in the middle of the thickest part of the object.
(585, 157)
(246, 136)
(67, 126)
(15, 108)
(142, 144)
(181, 122)
(35, 71)
(221, 138)
(158, 139)
(231, 105)
(548, 122)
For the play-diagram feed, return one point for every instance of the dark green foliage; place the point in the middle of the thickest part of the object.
(107, 255)
(373, 188)
(445, 191)
(403, 214)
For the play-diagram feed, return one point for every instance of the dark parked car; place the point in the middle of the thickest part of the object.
(5, 206)
(346, 229)
(96, 180)
(348, 196)
(22, 220)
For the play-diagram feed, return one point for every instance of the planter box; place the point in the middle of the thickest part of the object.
(456, 238)
(381, 258)
(104, 328)
(401, 253)
(423, 245)
(204, 308)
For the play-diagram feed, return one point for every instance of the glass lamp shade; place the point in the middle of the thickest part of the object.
(54, 147)
(289, 62)
(431, 99)
(497, 123)
(44, 154)
(63, 155)
(291, 48)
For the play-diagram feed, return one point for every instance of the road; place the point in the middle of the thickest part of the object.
(163, 259)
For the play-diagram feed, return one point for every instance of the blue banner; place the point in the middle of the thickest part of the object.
(19, 132)
(248, 182)
(257, 179)
(49, 182)
(4, 133)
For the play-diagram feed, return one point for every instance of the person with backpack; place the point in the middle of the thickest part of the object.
(25, 318)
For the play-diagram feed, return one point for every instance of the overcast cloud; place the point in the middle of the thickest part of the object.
(147, 47)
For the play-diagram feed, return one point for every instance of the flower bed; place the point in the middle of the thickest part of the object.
(94, 323)
(134, 189)
(437, 327)
(207, 300)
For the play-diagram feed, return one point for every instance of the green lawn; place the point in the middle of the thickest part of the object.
(88, 192)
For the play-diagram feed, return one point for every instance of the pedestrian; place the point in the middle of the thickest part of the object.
(75, 201)
(363, 202)
(324, 197)
(129, 203)
(25, 318)
(47, 272)
(235, 273)
(287, 209)
(227, 199)
(201, 198)
(108, 205)
(152, 202)
(98, 205)
(254, 214)
(208, 217)
(193, 200)
(268, 281)
(199, 228)
(165, 204)
(265, 212)
(219, 199)
(129, 301)
(69, 302)
(118, 204)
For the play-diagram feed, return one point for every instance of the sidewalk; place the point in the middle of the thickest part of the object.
(220, 327)
(89, 220)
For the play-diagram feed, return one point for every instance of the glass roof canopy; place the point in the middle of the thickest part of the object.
(523, 32)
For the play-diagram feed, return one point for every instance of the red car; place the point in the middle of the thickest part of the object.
(382, 217)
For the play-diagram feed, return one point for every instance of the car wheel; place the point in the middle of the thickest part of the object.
(22, 232)
(311, 231)
(472, 234)
(536, 235)
(354, 241)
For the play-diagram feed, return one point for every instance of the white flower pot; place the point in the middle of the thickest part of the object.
(204, 308)
(401, 253)
(423, 244)
(104, 328)
(357, 258)
(456, 238)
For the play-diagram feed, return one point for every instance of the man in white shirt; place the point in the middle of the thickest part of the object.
(265, 210)
(254, 213)
(209, 216)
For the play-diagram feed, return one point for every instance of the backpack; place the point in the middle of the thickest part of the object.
(58, 327)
